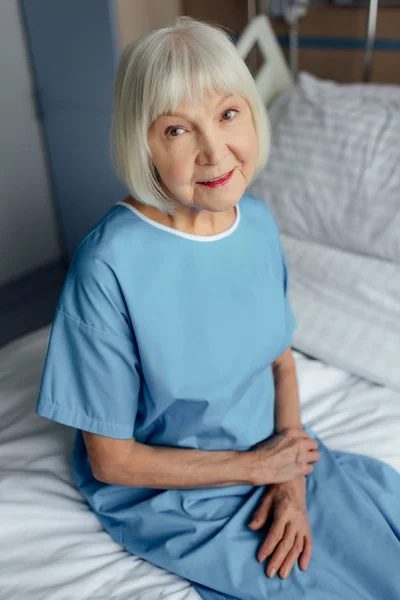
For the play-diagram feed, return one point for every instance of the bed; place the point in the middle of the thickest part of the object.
(52, 545)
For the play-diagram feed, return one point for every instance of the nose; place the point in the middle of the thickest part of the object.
(212, 147)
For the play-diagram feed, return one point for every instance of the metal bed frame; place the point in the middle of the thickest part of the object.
(293, 37)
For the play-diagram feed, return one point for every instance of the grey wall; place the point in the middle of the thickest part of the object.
(28, 228)
(75, 50)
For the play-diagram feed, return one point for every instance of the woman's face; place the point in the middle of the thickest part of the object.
(199, 143)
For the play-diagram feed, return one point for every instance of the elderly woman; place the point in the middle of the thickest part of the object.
(170, 353)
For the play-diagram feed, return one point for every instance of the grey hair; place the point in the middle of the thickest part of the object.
(155, 74)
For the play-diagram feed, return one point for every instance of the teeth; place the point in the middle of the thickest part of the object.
(216, 179)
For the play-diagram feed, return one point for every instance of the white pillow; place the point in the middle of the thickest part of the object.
(333, 175)
(347, 309)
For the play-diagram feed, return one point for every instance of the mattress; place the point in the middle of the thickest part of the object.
(52, 545)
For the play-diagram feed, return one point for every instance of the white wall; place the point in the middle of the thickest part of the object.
(28, 230)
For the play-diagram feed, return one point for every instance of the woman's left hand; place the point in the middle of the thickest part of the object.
(289, 536)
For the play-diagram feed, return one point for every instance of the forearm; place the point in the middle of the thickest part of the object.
(179, 468)
(287, 411)
(287, 400)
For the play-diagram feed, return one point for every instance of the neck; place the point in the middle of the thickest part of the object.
(187, 219)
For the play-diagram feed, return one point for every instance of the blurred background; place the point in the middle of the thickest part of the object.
(57, 64)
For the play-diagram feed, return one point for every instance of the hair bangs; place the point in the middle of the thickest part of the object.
(185, 75)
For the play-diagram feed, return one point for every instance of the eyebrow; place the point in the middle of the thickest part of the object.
(184, 116)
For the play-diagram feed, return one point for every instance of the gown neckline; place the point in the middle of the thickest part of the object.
(189, 236)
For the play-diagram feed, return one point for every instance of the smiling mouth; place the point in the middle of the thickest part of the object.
(218, 180)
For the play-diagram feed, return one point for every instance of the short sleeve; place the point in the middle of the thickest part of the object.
(289, 316)
(91, 377)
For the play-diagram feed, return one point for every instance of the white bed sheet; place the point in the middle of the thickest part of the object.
(52, 545)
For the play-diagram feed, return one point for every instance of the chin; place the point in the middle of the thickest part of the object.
(219, 204)
(219, 199)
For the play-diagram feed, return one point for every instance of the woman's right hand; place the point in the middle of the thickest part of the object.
(284, 456)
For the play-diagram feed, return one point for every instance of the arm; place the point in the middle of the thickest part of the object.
(130, 463)
(289, 535)
(287, 414)
(287, 402)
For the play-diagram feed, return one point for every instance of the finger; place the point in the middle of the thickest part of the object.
(306, 553)
(312, 444)
(306, 469)
(313, 456)
(273, 538)
(262, 512)
(282, 550)
(292, 556)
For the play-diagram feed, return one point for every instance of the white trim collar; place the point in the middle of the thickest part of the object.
(189, 236)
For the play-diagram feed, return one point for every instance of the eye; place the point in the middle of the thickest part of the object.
(230, 111)
(172, 131)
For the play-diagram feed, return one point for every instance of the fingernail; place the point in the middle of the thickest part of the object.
(272, 573)
(262, 557)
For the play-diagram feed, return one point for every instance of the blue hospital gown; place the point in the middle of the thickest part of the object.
(169, 338)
